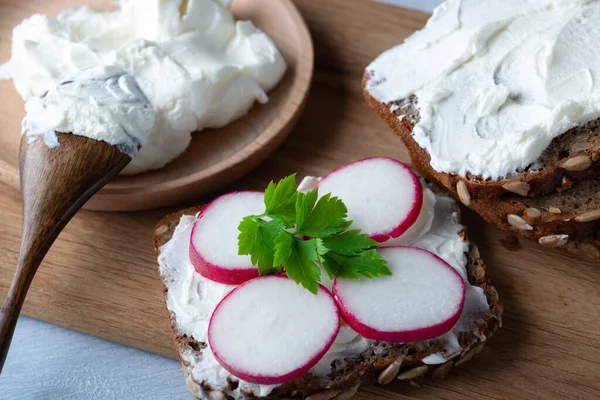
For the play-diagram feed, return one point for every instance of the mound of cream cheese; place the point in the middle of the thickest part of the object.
(195, 65)
(495, 80)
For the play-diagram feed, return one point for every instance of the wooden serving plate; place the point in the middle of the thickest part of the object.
(101, 278)
(216, 157)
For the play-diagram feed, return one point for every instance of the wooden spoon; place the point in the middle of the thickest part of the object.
(55, 183)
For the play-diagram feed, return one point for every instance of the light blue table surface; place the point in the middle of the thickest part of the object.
(48, 362)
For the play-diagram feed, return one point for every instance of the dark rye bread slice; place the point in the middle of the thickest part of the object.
(571, 157)
(383, 363)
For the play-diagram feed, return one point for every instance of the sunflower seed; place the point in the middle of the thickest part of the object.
(554, 240)
(566, 183)
(217, 395)
(325, 395)
(577, 163)
(463, 193)
(581, 146)
(413, 373)
(191, 386)
(554, 210)
(161, 229)
(588, 216)
(532, 215)
(518, 222)
(474, 251)
(518, 187)
(389, 374)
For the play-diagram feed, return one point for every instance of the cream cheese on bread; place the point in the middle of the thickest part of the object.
(495, 80)
(192, 298)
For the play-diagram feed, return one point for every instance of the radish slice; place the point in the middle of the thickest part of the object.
(422, 299)
(214, 238)
(383, 196)
(270, 330)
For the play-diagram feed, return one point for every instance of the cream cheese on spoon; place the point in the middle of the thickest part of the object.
(102, 104)
(195, 65)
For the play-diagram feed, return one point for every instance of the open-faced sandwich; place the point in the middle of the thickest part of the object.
(497, 101)
(362, 276)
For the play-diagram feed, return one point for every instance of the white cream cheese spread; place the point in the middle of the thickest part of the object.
(495, 80)
(100, 103)
(191, 60)
(192, 298)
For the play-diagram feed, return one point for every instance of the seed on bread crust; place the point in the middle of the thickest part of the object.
(577, 163)
(161, 229)
(390, 373)
(554, 240)
(324, 395)
(191, 386)
(474, 251)
(217, 395)
(580, 146)
(532, 215)
(463, 193)
(413, 373)
(518, 187)
(554, 210)
(588, 216)
(517, 222)
(566, 183)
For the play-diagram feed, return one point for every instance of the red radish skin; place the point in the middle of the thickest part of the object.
(414, 189)
(224, 273)
(286, 375)
(402, 335)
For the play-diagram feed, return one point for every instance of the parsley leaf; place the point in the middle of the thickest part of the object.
(257, 239)
(329, 264)
(305, 202)
(280, 200)
(369, 264)
(349, 243)
(298, 257)
(299, 231)
(326, 218)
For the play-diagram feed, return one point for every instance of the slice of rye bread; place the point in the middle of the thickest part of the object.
(573, 156)
(383, 363)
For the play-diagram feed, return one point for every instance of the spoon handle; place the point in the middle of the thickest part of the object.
(55, 183)
(30, 257)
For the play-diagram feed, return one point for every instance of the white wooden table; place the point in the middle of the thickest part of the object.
(47, 362)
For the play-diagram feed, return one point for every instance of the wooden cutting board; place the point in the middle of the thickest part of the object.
(101, 278)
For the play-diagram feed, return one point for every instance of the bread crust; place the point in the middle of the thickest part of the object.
(391, 363)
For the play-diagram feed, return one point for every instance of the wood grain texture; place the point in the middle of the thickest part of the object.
(100, 277)
(215, 157)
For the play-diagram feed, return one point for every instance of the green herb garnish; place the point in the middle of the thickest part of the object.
(299, 231)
